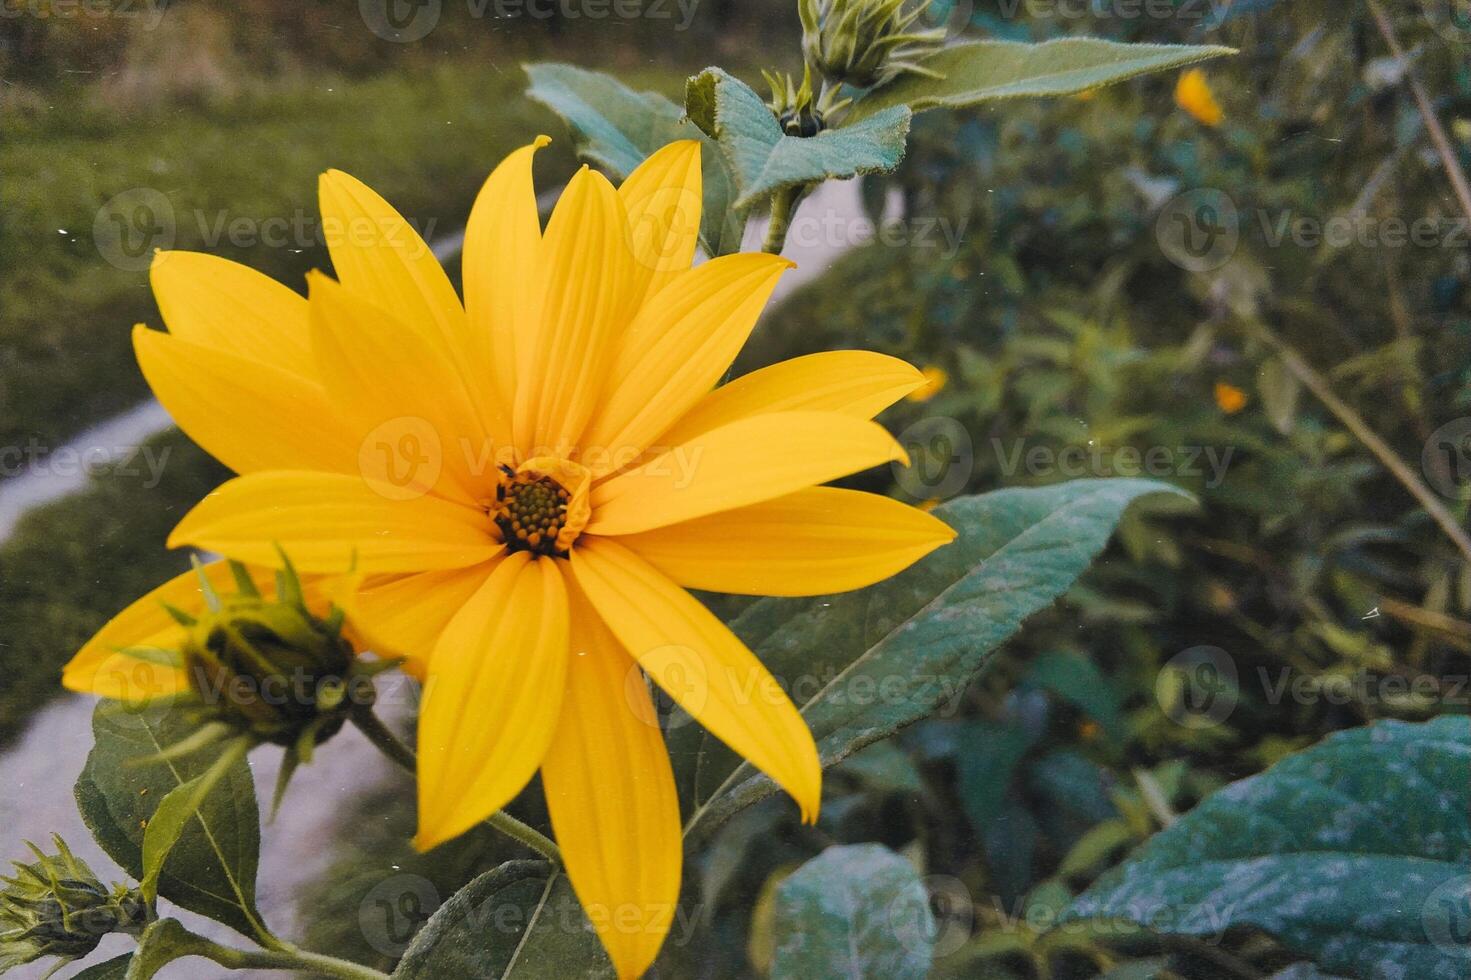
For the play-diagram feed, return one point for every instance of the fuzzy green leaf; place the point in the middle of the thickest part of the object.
(920, 637)
(211, 868)
(765, 160)
(519, 921)
(853, 911)
(1353, 852)
(615, 128)
(982, 71)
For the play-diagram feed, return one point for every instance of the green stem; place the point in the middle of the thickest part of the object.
(292, 959)
(783, 205)
(388, 743)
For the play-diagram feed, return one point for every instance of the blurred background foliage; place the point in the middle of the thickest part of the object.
(1309, 593)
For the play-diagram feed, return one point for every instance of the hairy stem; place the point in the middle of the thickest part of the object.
(783, 206)
(290, 959)
(388, 743)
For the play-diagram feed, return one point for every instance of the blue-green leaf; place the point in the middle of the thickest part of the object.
(1354, 852)
(853, 911)
(981, 71)
(765, 160)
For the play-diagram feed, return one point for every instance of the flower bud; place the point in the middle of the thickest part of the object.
(57, 907)
(794, 106)
(270, 668)
(864, 43)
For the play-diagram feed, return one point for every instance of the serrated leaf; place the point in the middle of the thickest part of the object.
(615, 128)
(211, 869)
(982, 71)
(519, 921)
(764, 159)
(853, 911)
(926, 632)
(1353, 852)
(113, 969)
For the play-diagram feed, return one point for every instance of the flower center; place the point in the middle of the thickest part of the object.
(532, 512)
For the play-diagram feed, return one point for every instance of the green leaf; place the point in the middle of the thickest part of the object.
(1353, 852)
(926, 632)
(986, 762)
(980, 71)
(853, 911)
(520, 921)
(113, 969)
(211, 869)
(765, 160)
(1078, 681)
(175, 811)
(161, 943)
(615, 128)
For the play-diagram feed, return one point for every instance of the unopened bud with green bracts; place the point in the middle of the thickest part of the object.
(797, 109)
(57, 907)
(267, 668)
(864, 43)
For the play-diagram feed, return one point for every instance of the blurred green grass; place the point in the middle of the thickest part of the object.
(424, 140)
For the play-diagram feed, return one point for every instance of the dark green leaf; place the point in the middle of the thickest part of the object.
(853, 911)
(988, 756)
(764, 159)
(615, 128)
(980, 71)
(212, 867)
(926, 632)
(113, 969)
(161, 943)
(1353, 852)
(1077, 680)
(518, 921)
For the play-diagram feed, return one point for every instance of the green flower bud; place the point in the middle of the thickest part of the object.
(794, 106)
(57, 907)
(271, 669)
(864, 43)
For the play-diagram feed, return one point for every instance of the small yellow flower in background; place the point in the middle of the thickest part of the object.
(1193, 94)
(531, 481)
(935, 379)
(1229, 398)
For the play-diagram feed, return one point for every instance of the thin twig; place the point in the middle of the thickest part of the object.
(1355, 423)
(1443, 145)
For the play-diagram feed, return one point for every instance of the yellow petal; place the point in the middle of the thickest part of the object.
(859, 383)
(329, 523)
(499, 268)
(812, 542)
(583, 276)
(386, 380)
(248, 415)
(378, 255)
(98, 668)
(702, 665)
(741, 463)
(663, 200)
(213, 302)
(676, 349)
(493, 697)
(403, 616)
(610, 791)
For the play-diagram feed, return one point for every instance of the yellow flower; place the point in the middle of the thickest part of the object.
(1229, 398)
(935, 379)
(1193, 94)
(531, 481)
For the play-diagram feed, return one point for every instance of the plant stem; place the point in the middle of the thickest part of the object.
(783, 205)
(292, 959)
(388, 743)
(1443, 146)
(1355, 423)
